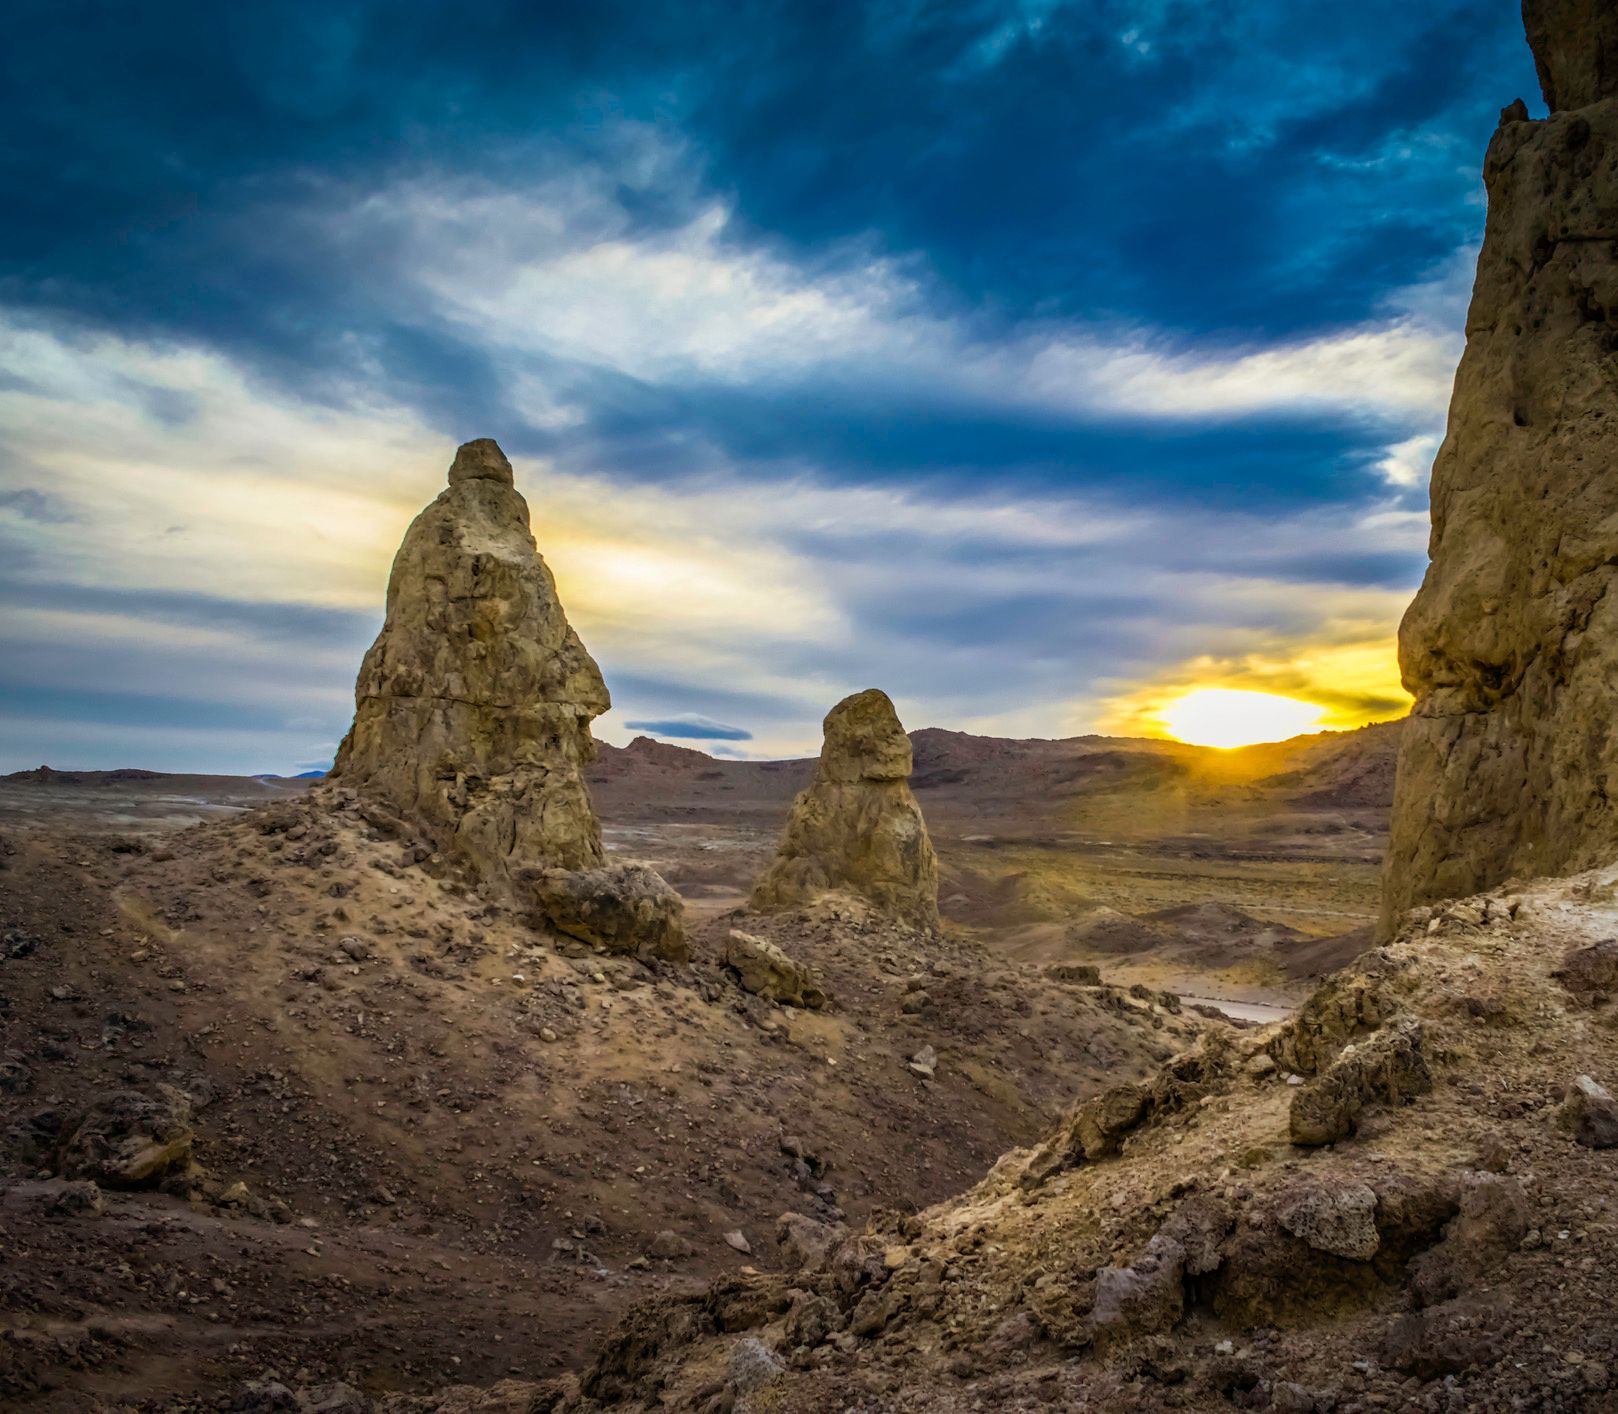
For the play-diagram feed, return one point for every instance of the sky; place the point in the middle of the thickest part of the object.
(1034, 361)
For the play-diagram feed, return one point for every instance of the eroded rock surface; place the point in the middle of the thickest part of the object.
(473, 710)
(1509, 764)
(766, 970)
(857, 828)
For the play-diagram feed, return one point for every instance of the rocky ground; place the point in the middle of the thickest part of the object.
(347, 1121)
(1402, 1199)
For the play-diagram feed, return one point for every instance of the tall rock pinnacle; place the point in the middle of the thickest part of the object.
(857, 828)
(473, 707)
(1509, 764)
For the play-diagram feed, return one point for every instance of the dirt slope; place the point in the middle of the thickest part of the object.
(1197, 1244)
(460, 1139)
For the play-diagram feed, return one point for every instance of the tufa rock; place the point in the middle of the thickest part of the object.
(473, 707)
(1575, 44)
(765, 970)
(1341, 1221)
(857, 828)
(1509, 762)
(623, 908)
(1388, 1068)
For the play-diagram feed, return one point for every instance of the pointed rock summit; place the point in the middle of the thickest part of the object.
(473, 710)
(1509, 764)
(857, 828)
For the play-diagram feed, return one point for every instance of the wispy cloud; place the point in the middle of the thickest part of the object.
(712, 600)
(560, 273)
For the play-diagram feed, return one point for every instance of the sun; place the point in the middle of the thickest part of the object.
(1226, 717)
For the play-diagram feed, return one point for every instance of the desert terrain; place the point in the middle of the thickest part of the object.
(495, 1124)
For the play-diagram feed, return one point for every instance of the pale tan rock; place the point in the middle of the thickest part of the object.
(767, 971)
(857, 828)
(1509, 763)
(473, 707)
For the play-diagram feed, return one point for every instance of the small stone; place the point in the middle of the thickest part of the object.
(1590, 1114)
(752, 1365)
(738, 1240)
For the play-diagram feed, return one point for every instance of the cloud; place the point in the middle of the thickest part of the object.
(558, 275)
(715, 596)
(1408, 463)
(692, 728)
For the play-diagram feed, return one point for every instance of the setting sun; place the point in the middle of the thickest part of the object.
(1225, 717)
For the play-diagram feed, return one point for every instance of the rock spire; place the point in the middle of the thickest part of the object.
(473, 707)
(857, 828)
(1509, 764)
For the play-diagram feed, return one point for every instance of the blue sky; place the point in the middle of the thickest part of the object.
(1034, 361)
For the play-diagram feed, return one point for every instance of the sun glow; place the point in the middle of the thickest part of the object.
(1226, 717)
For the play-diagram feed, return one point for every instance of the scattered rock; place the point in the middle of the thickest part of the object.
(738, 1239)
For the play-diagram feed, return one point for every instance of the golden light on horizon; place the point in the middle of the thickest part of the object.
(1229, 717)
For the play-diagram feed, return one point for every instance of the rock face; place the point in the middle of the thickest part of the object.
(473, 707)
(857, 828)
(1509, 763)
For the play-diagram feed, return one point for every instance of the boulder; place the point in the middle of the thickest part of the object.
(766, 971)
(1508, 765)
(857, 828)
(1590, 973)
(126, 1139)
(804, 1242)
(625, 908)
(752, 1365)
(1339, 1220)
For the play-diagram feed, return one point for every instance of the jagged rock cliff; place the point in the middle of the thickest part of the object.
(473, 709)
(1509, 765)
(857, 828)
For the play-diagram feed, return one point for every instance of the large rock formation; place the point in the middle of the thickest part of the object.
(473, 707)
(857, 828)
(1509, 765)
